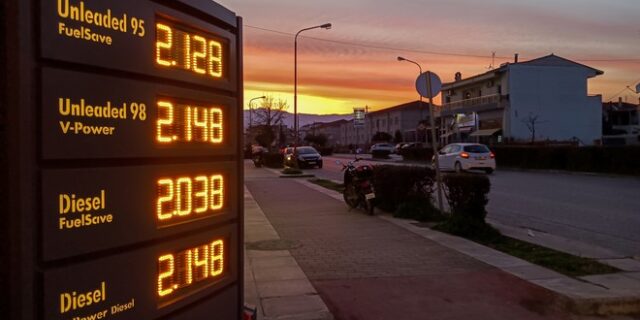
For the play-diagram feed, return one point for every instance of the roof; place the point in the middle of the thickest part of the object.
(619, 106)
(549, 60)
(413, 105)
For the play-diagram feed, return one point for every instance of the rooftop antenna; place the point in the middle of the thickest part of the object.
(493, 60)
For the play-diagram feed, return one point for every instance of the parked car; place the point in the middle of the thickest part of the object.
(305, 157)
(398, 146)
(382, 147)
(413, 145)
(460, 157)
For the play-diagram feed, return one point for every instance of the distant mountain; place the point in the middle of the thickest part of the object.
(303, 118)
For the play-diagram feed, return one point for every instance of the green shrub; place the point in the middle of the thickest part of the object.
(618, 160)
(416, 154)
(418, 209)
(467, 197)
(273, 160)
(395, 185)
(380, 154)
(289, 170)
(325, 151)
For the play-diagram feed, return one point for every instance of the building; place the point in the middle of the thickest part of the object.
(536, 100)
(402, 120)
(620, 123)
(332, 130)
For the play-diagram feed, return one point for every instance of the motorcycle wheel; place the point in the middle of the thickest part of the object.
(350, 195)
(368, 206)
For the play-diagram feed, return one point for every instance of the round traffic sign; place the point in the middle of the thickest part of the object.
(421, 84)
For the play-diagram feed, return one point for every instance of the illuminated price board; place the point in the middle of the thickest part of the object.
(118, 286)
(124, 192)
(161, 121)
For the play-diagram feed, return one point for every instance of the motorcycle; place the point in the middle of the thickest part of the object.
(358, 185)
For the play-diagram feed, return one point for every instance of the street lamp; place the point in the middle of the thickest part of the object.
(251, 110)
(295, 80)
(419, 67)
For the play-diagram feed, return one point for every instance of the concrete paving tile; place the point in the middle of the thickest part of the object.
(270, 262)
(295, 305)
(273, 289)
(634, 275)
(501, 260)
(278, 273)
(532, 272)
(574, 288)
(323, 315)
(268, 253)
(260, 236)
(618, 282)
(248, 271)
(623, 264)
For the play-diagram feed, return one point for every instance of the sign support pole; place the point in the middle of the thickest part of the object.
(434, 143)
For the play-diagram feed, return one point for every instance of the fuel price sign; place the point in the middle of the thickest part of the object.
(123, 159)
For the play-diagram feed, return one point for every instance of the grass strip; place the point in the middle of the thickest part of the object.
(558, 261)
(338, 187)
(561, 262)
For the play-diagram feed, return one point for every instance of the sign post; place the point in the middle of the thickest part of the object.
(121, 150)
(428, 84)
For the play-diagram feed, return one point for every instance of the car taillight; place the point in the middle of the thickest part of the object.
(464, 155)
(492, 155)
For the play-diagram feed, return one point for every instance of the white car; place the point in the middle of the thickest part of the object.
(382, 147)
(460, 157)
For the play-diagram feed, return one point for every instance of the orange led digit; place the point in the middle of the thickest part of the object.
(217, 192)
(190, 267)
(202, 195)
(217, 258)
(194, 52)
(165, 119)
(166, 267)
(216, 125)
(165, 196)
(164, 42)
(184, 192)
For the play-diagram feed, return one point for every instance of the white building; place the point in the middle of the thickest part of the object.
(548, 94)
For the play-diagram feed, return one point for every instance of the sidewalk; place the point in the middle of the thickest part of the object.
(369, 268)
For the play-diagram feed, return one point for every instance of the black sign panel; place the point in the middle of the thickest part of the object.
(141, 37)
(88, 210)
(145, 283)
(80, 122)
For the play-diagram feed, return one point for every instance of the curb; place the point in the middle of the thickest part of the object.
(578, 296)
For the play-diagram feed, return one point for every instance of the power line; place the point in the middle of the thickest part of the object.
(623, 90)
(431, 52)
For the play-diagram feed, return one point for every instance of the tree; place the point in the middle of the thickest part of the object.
(381, 137)
(271, 111)
(398, 137)
(319, 140)
(531, 122)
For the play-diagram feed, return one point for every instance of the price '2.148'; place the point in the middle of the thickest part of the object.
(188, 123)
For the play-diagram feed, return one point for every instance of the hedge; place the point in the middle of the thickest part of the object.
(273, 160)
(619, 160)
(416, 154)
(395, 185)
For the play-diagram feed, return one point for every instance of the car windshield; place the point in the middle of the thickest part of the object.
(478, 148)
(306, 150)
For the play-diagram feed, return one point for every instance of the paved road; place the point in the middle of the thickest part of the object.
(596, 210)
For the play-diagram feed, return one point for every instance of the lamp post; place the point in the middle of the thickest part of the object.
(420, 68)
(295, 81)
(434, 143)
(251, 110)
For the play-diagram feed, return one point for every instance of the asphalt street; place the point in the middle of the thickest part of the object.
(596, 210)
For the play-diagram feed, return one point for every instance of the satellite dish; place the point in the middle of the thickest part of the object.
(638, 88)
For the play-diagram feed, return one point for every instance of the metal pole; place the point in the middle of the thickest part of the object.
(295, 94)
(434, 143)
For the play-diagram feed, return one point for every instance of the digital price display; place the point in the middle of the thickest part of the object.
(126, 131)
(188, 122)
(202, 54)
(193, 267)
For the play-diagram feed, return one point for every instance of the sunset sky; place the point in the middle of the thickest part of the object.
(354, 64)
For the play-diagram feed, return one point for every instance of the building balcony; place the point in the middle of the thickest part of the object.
(474, 104)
